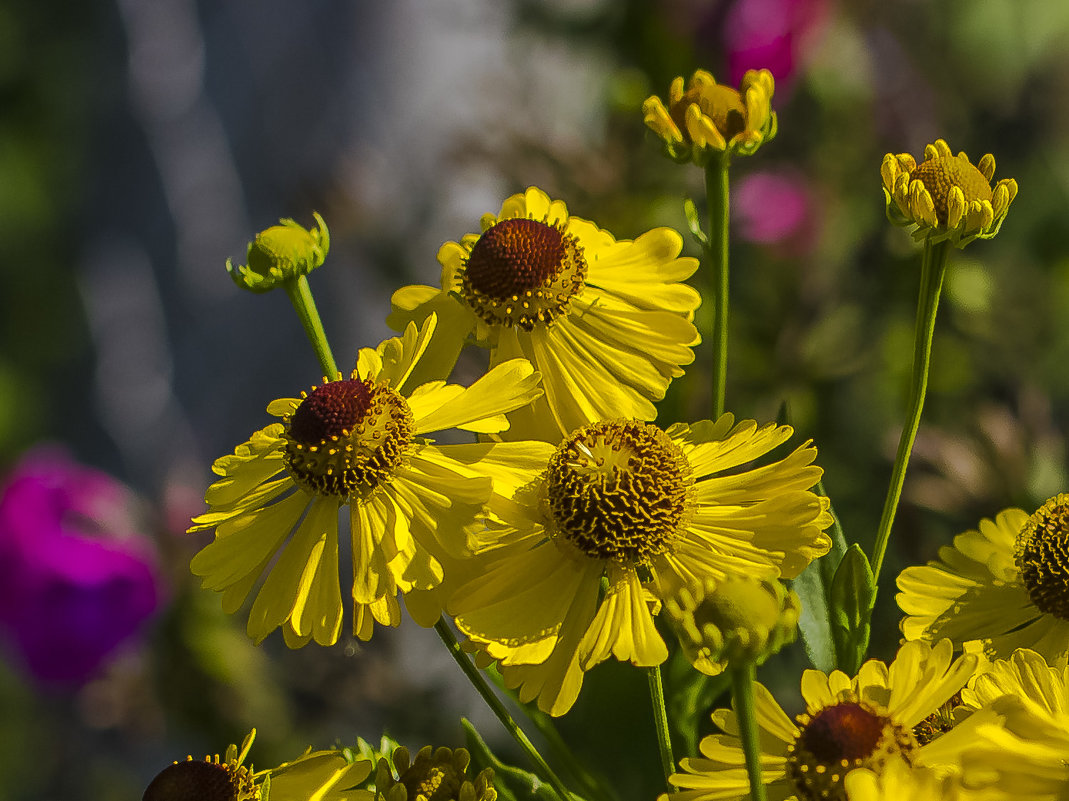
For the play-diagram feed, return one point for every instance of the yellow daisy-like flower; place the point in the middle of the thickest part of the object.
(1024, 753)
(605, 321)
(434, 775)
(360, 441)
(710, 119)
(900, 782)
(649, 512)
(1004, 585)
(945, 197)
(849, 724)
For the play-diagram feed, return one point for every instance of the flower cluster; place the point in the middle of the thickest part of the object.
(565, 527)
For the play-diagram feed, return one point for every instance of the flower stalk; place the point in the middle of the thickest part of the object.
(479, 683)
(933, 269)
(716, 259)
(300, 295)
(660, 719)
(742, 681)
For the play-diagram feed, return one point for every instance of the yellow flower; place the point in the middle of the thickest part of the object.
(1005, 585)
(900, 782)
(1024, 753)
(361, 441)
(711, 119)
(314, 776)
(281, 253)
(649, 513)
(850, 723)
(945, 196)
(606, 322)
(435, 775)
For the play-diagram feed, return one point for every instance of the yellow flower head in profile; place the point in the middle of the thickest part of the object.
(605, 321)
(1021, 747)
(211, 779)
(945, 197)
(360, 441)
(1004, 586)
(711, 119)
(280, 254)
(593, 535)
(864, 722)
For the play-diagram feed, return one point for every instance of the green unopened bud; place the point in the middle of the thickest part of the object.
(282, 253)
(734, 621)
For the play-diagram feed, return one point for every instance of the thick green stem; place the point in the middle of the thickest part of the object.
(742, 681)
(660, 719)
(479, 682)
(716, 269)
(301, 297)
(933, 268)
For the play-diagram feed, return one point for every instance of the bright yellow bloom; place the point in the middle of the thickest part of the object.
(434, 775)
(361, 441)
(900, 782)
(945, 196)
(711, 119)
(649, 512)
(1005, 586)
(849, 724)
(1021, 747)
(606, 322)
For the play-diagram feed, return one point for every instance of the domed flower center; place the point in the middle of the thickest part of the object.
(838, 739)
(436, 782)
(942, 173)
(1042, 556)
(722, 104)
(347, 437)
(618, 490)
(523, 272)
(210, 781)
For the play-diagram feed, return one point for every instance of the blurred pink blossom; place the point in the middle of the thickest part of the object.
(774, 208)
(771, 34)
(77, 580)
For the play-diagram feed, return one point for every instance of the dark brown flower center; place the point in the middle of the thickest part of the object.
(347, 437)
(618, 490)
(838, 739)
(523, 272)
(1042, 556)
(203, 781)
(332, 410)
(942, 173)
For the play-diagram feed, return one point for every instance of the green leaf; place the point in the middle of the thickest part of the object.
(814, 586)
(694, 223)
(853, 592)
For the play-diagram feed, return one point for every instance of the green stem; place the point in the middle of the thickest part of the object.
(301, 297)
(933, 268)
(660, 719)
(742, 681)
(479, 682)
(716, 255)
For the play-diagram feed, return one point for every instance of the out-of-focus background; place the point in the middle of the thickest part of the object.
(143, 142)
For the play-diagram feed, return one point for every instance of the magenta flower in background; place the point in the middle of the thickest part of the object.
(771, 34)
(77, 580)
(774, 208)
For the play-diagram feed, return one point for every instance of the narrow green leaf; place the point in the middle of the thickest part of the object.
(694, 223)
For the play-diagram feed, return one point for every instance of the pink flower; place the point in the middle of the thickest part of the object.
(77, 580)
(771, 34)
(774, 208)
